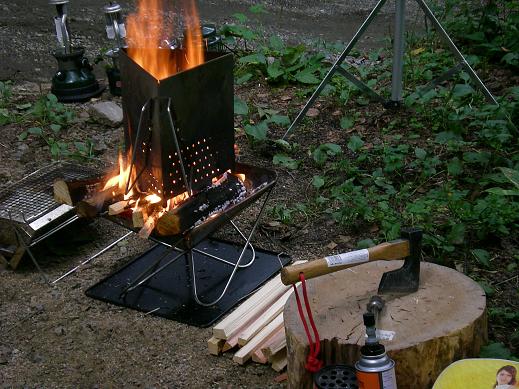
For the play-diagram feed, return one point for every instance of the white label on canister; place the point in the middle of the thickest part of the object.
(389, 379)
(351, 258)
(385, 335)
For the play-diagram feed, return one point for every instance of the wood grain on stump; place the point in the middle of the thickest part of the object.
(445, 320)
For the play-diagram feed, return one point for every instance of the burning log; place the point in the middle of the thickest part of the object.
(150, 223)
(118, 207)
(138, 218)
(71, 192)
(201, 206)
(92, 206)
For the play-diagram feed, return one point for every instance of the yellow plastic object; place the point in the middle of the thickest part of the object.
(479, 374)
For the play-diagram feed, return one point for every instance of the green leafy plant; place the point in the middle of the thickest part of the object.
(49, 118)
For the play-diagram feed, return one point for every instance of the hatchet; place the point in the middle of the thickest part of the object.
(400, 281)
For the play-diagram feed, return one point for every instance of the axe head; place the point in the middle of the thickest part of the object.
(406, 279)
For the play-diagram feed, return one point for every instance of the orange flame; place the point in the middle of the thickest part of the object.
(194, 44)
(120, 180)
(147, 28)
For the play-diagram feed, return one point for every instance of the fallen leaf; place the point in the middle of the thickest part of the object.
(331, 245)
(286, 98)
(344, 239)
(313, 112)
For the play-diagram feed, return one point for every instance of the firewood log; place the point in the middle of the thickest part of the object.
(117, 208)
(200, 206)
(71, 192)
(138, 218)
(98, 202)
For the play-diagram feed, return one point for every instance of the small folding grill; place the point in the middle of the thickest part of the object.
(28, 212)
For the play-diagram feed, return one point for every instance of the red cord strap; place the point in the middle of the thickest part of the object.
(313, 363)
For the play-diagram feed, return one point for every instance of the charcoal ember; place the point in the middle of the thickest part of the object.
(196, 209)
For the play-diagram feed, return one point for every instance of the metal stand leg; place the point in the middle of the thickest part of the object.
(28, 250)
(456, 52)
(139, 280)
(236, 266)
(92, 257)
(26, 247)
(336, 66)
(398, 55)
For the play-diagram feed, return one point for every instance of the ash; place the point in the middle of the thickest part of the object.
(237, 199)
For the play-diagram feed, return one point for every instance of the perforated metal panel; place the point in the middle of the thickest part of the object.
(191, 110)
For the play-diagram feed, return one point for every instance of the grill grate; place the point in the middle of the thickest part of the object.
(32, 196)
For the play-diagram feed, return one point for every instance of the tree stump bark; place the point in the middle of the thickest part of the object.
(445, 320)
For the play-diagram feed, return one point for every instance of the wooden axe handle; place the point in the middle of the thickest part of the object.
(384, 251)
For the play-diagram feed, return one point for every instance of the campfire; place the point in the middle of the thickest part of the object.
(176, 170)
(178, 167)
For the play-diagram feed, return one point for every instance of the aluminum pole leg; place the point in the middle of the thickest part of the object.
(335, 66)
(456, 52)
(398, 53)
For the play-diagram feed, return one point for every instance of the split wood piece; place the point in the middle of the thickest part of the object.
(14, 261)
(200, 206)
(138, 218)
(275, 344)
(230, 343)
(259, 357)
(443, 321)
(279, 361)
(266, 317)
(150, 223)
(98, 202)
(71, 192)
(245, 353)
(118, 207)
(215, 346)
(3, 262)
(250, 309)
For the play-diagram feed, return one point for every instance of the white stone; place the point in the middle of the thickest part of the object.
(107, 112)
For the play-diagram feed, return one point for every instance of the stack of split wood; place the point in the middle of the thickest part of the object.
(255, 330)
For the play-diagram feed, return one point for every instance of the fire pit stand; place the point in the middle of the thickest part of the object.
(148, 273)
(192, 279)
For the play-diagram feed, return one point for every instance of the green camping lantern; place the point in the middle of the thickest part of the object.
(74, 80)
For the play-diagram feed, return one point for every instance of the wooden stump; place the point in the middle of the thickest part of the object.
(445, 320)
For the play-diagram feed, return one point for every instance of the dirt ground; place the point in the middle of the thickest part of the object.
(55, 336)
